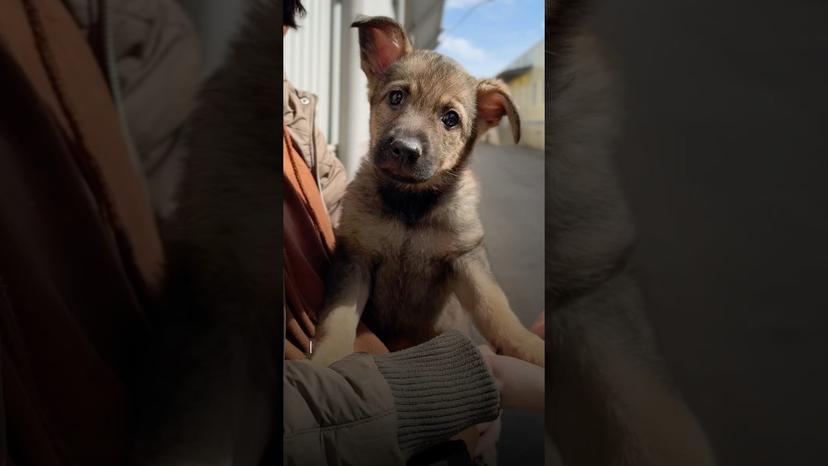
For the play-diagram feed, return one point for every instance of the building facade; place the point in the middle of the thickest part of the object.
(525, 79)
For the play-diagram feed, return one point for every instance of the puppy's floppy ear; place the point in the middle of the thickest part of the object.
(382, 41)
(493, 102)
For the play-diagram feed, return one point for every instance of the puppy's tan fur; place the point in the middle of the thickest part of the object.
(404, 248)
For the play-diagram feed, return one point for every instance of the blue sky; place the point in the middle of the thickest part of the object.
(494, 34)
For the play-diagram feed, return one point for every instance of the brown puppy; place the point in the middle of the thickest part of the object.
(410, 235)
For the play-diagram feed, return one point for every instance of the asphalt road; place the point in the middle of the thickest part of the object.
(511, 209)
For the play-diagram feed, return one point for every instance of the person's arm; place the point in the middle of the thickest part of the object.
(521, 383)
(381, 409)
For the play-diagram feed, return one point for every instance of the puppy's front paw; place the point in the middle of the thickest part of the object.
(531, 348)
(331, 349)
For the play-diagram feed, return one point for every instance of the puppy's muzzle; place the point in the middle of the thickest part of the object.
(403, 159)
(407, 150)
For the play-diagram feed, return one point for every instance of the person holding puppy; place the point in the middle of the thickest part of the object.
(479, 382)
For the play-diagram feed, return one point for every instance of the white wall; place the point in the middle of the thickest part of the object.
(308, 59)
(354, 111)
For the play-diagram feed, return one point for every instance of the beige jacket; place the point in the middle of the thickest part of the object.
(300, 116)
(152, 49)
(381, 409)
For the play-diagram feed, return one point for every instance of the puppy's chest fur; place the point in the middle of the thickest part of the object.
(412, 245)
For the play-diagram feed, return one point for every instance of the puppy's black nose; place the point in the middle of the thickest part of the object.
(407, 149)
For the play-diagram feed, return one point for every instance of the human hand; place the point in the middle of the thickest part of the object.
(489, 435)
(300, 329)
(521, 384)
(539, 326)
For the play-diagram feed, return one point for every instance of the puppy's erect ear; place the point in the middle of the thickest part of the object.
(493, 102)
(382, 41)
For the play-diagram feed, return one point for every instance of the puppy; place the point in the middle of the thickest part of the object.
(410, 236)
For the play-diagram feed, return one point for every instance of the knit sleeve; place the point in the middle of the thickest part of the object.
(439, 388)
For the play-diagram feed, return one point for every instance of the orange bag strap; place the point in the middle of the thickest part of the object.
(299, 176)
(308, 245)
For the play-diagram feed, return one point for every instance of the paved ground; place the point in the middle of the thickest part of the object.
(724, 159)
(511, 208)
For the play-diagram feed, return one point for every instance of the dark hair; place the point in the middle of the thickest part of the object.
(292, 9)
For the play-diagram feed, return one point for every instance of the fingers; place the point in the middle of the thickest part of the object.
(523, 384)
(486, 350)
(470, 437)
(292, 352)
(489, 435)
(308, 324)
(368, 342)
(296, 334)
(488, 358)
(299, 327)
(539, 326)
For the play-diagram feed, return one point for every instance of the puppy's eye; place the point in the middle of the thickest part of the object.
(450, 119)
(395, 97)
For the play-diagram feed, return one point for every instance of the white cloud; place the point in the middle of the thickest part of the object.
(461, 49)
(488, 69)
(477, 61)
(463, 3)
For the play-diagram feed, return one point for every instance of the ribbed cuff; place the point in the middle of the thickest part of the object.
(440, 388)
